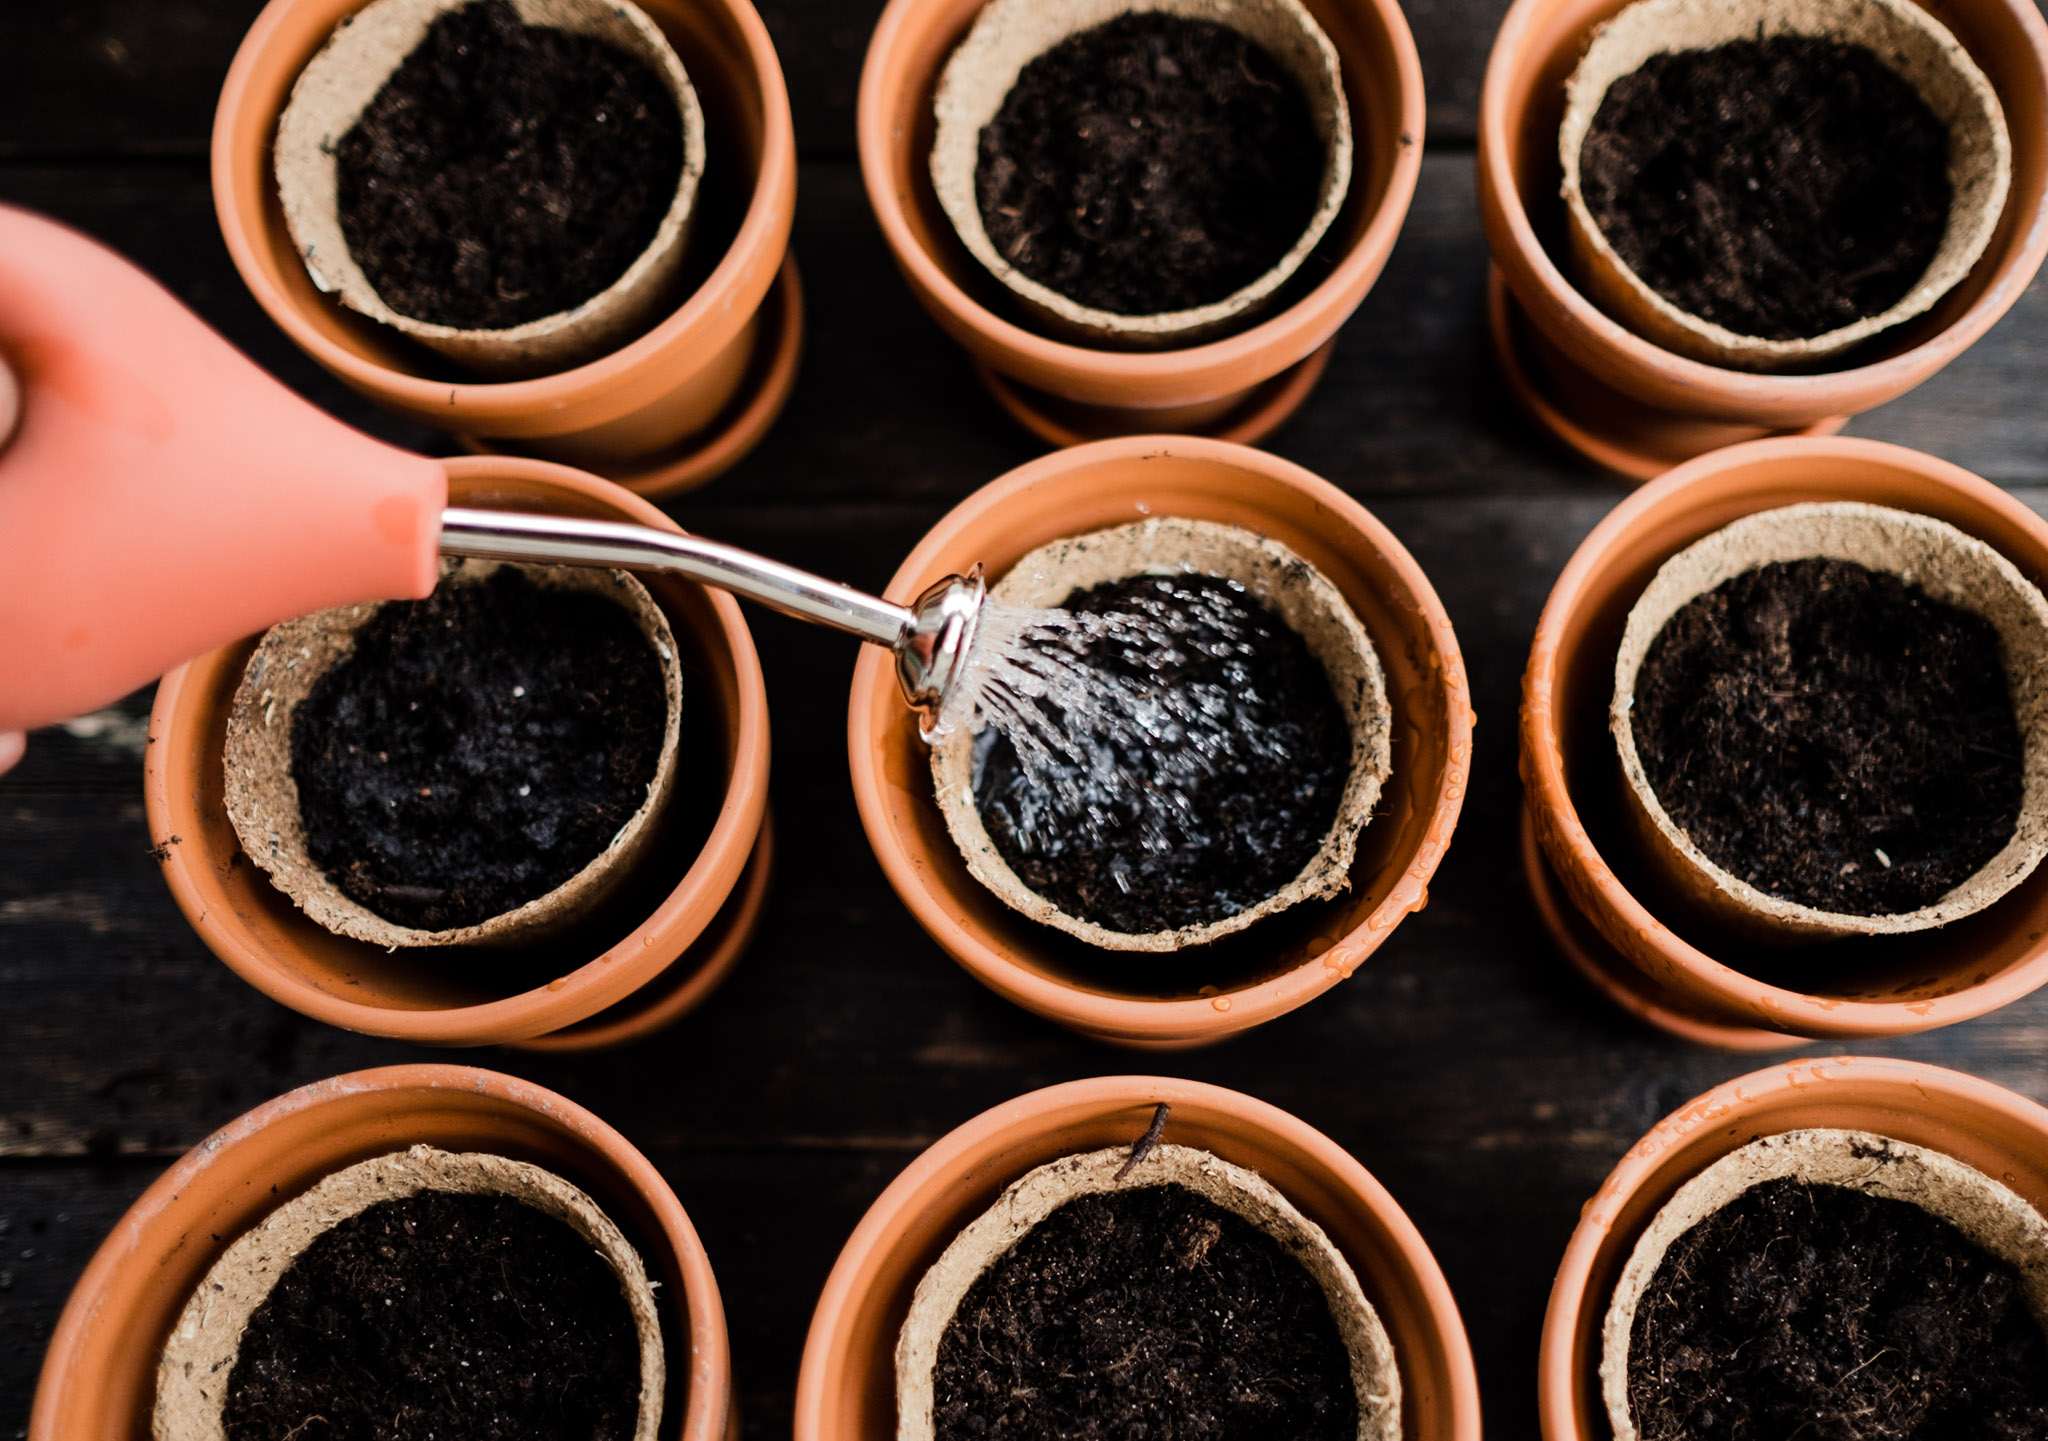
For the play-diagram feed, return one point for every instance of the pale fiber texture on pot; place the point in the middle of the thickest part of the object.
(1009, 34)
(339, 83)
(1941, 560)
(1908, 40)
(1244, 1193)
(192, 1377)
(1278, 579)
(1990, 1215)
(263, 799)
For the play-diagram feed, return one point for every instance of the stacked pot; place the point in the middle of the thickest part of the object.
(1615, 371)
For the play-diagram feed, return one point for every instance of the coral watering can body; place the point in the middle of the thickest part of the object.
(160, 494)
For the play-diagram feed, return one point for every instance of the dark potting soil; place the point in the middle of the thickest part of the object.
(506, 172)
(470, 1318)
(1780, 188)
(1832, 735)
(1211, 807)
(477, 749)
(1831, 1315)
(1145, 1313)
(1151, 164)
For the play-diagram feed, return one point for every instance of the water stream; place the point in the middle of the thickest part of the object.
(1148, 749)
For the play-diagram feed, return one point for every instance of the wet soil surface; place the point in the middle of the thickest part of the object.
(1215, 799)
(1151, 164)
(506, 172)
(1832, 736)
(470, 1318)
(1142, 1314)
(477, 749)
(1782, 188)
(1831, 1315)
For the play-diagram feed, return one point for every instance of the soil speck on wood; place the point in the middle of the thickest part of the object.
(1781, 189)
(506, 172)
(1832, 736)
(464, 1317)
(1143, 1314)
(1822, 1312)
(1206, 806)
(1148, 165)
(477, 749)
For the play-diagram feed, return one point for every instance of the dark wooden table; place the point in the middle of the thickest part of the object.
(1463, 1065)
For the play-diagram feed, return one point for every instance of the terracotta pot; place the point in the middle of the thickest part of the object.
(2001, 1134)
(661, 411)
(1188, 997)
(846, 1389)
(1614, 920)
(1010, 35)
(674, 927)
(341, 83)
(1240, 386)
(206, 1340)
(262, 794)
(1637, 408)
(99, 1377)
(1943, 563)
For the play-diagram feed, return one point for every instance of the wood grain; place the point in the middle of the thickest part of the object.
(1463, 1065)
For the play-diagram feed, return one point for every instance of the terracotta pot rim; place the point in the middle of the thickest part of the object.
(1544, 289)
(942, 1156)
(615, 973)
(1723, 1106)
(1130, 1017)
(1542, 758)
(1299, 326)
(725, 300)
(708, 1360)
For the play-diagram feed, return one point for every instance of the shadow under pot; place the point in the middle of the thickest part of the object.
(527, 808)
(526, 220)
(1771, 216)
(448, 1233)
(997, 143)
(1170, 800)
(1846, 1244)
(1255, 1267)
(1791, 694)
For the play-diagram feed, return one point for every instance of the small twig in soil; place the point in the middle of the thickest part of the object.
(1146, 1142)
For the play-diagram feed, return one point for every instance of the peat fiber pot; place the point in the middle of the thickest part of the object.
(1637, 408)
(99, 1378)
(672, 930)
(1987, 1127)
(1238, 387)
(661, 412)
(846, 1389)
(1193, 996)
(1617, 921)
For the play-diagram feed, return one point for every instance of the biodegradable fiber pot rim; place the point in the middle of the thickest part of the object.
(199, 1357)
(1941, 560)
(1276, 577)
(263, 799)
(1008, 34)
(1990, 1215)
(1036, 1195)
(339, 83)
(1908, 39)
